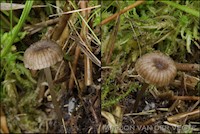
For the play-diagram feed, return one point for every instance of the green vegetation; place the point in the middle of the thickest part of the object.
(12, 69)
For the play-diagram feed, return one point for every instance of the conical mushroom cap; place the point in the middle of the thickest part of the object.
(42, 54)
(156, 68)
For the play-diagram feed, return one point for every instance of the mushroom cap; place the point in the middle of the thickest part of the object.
(156, 68)
(42, 54)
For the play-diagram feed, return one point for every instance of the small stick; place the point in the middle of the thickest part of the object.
(62, 23)
(150, 121)
(192, 98)
(189, 85)
(87, 62)
(180, 116)
(74, 11)
(187, 67)
(74, 65)
(170, 95)
(3, 122)
(41, 24)
(63, 37)
(121, 12)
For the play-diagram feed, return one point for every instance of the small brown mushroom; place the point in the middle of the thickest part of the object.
(42, 55)
(155, 68)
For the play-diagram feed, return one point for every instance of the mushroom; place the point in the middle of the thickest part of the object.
(155, 68)
(42, 55)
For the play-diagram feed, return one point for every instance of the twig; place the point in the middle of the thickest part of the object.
(61, 24)
(170, 95)
(74, 65)
(190, 85)
(151, 120)
(121, 12)
(41, 24)
(86, 50)
(187, 67)
(84, 31)
(74, 11)
(74, 77)
(192, 98)
(64, 36)
(180, 116)
(3, 121)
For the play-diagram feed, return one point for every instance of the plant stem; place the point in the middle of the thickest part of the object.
(121, 12)
(84, 30)
(191, 98)
(47, 72)
(180, 116)
(17, 28)
(187, 66)
(74, 65)
(92, 32)
(139, 96)
(3, 124)
(182, 7)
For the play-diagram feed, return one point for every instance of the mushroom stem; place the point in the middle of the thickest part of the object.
(187, 66)
(139, 96)
(48, 75)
